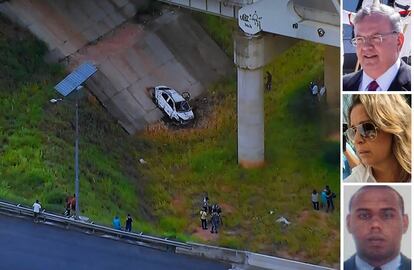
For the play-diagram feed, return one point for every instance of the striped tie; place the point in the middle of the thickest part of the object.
(372, 86)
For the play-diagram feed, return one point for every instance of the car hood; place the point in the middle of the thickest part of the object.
(186, 115)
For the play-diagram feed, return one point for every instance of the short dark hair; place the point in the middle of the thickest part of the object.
(365, 188)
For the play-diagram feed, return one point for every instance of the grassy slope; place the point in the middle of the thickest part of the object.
(36, 158)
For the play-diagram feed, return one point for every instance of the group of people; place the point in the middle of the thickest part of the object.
(211, 212)
(70, 206)
(316, 91)
(116, 223)
(326, 199)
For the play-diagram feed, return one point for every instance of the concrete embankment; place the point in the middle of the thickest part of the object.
(171, 49)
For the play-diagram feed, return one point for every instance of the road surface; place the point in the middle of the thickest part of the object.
(26, 245)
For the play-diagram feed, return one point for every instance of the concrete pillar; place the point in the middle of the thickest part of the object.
(251, 53)
(332, 76)
(249, 57)
(332, 80)
(250, 118)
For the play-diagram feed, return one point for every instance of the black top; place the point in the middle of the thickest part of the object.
(129, 221)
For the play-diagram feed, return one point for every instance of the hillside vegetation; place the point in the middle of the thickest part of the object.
(182, 165)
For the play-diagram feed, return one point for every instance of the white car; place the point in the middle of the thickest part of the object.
(173, 104)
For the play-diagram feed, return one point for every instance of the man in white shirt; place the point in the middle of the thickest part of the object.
(377, 222)
(36, 210)
(378, 41)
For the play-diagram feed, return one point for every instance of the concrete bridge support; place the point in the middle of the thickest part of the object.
(332, 76)
(251, 53)
(250, 117)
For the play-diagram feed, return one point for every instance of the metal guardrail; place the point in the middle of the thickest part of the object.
(95, 228)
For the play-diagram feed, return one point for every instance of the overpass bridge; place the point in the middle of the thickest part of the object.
(267, 28)
(177, 52)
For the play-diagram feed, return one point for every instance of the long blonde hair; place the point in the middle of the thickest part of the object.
(392, 114)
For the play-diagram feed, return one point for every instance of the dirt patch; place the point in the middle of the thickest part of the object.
(178, 204)
(206, 235)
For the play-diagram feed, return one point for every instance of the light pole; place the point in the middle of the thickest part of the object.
(77, 154)
(73, 82)
(53, 100)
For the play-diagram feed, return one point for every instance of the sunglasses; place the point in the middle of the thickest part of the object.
(367, 130)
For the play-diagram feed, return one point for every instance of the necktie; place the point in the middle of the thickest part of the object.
(372, 86)
(376, 268)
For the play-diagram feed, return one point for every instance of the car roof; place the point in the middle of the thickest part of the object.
(172, 93)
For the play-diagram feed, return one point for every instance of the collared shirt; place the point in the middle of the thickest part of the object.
(391, 265)
(361, 174)
(384, 81)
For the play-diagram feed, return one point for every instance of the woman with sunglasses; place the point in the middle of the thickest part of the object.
(380, 130)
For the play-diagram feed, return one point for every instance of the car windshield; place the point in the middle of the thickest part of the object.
(182, 106)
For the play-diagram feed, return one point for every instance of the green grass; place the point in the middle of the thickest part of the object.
(163, 196)
(299, 155)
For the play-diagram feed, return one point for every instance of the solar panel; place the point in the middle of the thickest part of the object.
(76, 78)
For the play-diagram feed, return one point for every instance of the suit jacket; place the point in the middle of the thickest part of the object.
(405, 263)
(401, 82)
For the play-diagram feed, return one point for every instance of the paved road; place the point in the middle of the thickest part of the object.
(25, 245)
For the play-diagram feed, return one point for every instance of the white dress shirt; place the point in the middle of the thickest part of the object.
(384, 81)
(391, 265)
(361, 174)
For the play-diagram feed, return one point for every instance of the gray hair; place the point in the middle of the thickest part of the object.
(381, 9)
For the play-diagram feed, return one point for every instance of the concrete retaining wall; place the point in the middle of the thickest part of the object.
(171, 50)
(215, 253)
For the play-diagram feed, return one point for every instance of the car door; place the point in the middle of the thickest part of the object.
(162, 100)
(169, 108)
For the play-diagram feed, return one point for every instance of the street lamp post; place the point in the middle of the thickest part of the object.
(73, 82)
(53, 100)
(77, 154)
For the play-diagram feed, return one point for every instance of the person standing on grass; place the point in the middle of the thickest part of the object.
(329, 199)
(315, 200)
(128, 223)
(268, 81)
(36, 210)
(215, 220)
(67, 207)
(206, 205)
(72, 204)
(116, 223)
(203, 217)
(323, 198)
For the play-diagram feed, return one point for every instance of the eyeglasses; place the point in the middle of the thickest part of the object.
(367, 130)
(374, 39)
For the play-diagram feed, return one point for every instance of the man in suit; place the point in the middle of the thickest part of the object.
(377, 222)
(378, 41)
